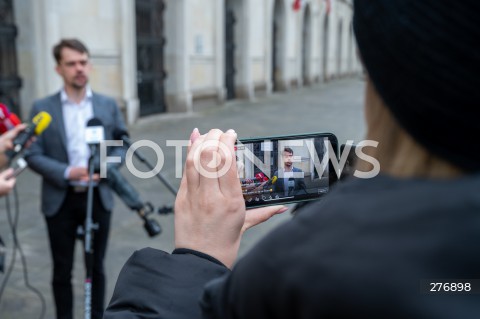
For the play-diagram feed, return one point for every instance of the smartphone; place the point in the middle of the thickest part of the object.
(286, 169)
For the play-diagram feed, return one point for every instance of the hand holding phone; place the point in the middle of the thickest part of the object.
(209, 213)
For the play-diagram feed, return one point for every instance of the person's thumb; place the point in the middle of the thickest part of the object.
(259, 215)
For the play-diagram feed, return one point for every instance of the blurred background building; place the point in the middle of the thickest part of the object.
(170, 56)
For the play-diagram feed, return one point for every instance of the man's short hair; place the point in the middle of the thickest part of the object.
(73, 44)
(288, 150)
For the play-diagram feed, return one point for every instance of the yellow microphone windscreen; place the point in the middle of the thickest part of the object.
(42, 121)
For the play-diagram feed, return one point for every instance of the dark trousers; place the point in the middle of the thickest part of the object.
(62, 232)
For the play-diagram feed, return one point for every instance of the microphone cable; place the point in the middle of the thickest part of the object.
(13, 223)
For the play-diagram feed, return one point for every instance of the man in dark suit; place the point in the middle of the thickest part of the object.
(60, 155)
(290, 180)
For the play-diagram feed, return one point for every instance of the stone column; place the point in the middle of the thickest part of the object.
(219, 54)
(286, 23)
(245, 87)
(129, 61)
(50, 35)
(177, 60)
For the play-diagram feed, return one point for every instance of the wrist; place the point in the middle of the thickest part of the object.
(180, 251)
(225, 255)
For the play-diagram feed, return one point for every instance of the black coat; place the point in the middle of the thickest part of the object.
(369, 249)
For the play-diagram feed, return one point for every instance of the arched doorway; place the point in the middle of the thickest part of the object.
(278, 49)
(306, 45)
(325, 41)
(150, 59)
(10, 82)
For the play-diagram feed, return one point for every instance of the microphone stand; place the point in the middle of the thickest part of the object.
(304, 188)
(90, 227)
(169, 186)
(165, 209)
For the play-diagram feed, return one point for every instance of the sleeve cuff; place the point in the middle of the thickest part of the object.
(66, 173)
(198, 254)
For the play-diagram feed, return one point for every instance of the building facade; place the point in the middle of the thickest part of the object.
(168, 56)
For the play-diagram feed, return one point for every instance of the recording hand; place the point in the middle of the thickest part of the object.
(6, 185)
(6, 139)
(210, 214)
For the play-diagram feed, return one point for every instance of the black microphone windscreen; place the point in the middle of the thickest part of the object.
(94, 122)
(95, 132)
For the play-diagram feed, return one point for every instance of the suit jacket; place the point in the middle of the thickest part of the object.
(48, 155)
(299, 183)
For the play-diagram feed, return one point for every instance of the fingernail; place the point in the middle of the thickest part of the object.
(194, 132)
(283, 209)
(230, 131)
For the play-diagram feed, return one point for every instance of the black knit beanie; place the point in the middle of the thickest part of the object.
(423, 57)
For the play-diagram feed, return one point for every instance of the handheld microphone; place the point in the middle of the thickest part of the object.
(40, 122)
(8, 120)
(259, 178)
(131, 198)
(269, 184)
(94, 134)
(272, 181)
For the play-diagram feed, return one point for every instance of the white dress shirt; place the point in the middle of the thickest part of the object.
(75, 118)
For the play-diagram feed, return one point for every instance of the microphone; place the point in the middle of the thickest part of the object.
(40, 122)
(269, 184)
(259, 178)
(272, 181)
(291, 185)
(131, 198)
(8, 120)
(94, 134)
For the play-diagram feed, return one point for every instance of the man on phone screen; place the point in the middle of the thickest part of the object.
(290, 180)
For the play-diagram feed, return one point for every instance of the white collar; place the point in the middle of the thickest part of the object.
(64, 97)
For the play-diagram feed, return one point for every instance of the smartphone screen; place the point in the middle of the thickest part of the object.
(286, 169)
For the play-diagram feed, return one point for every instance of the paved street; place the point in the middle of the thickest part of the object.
(334, 107)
